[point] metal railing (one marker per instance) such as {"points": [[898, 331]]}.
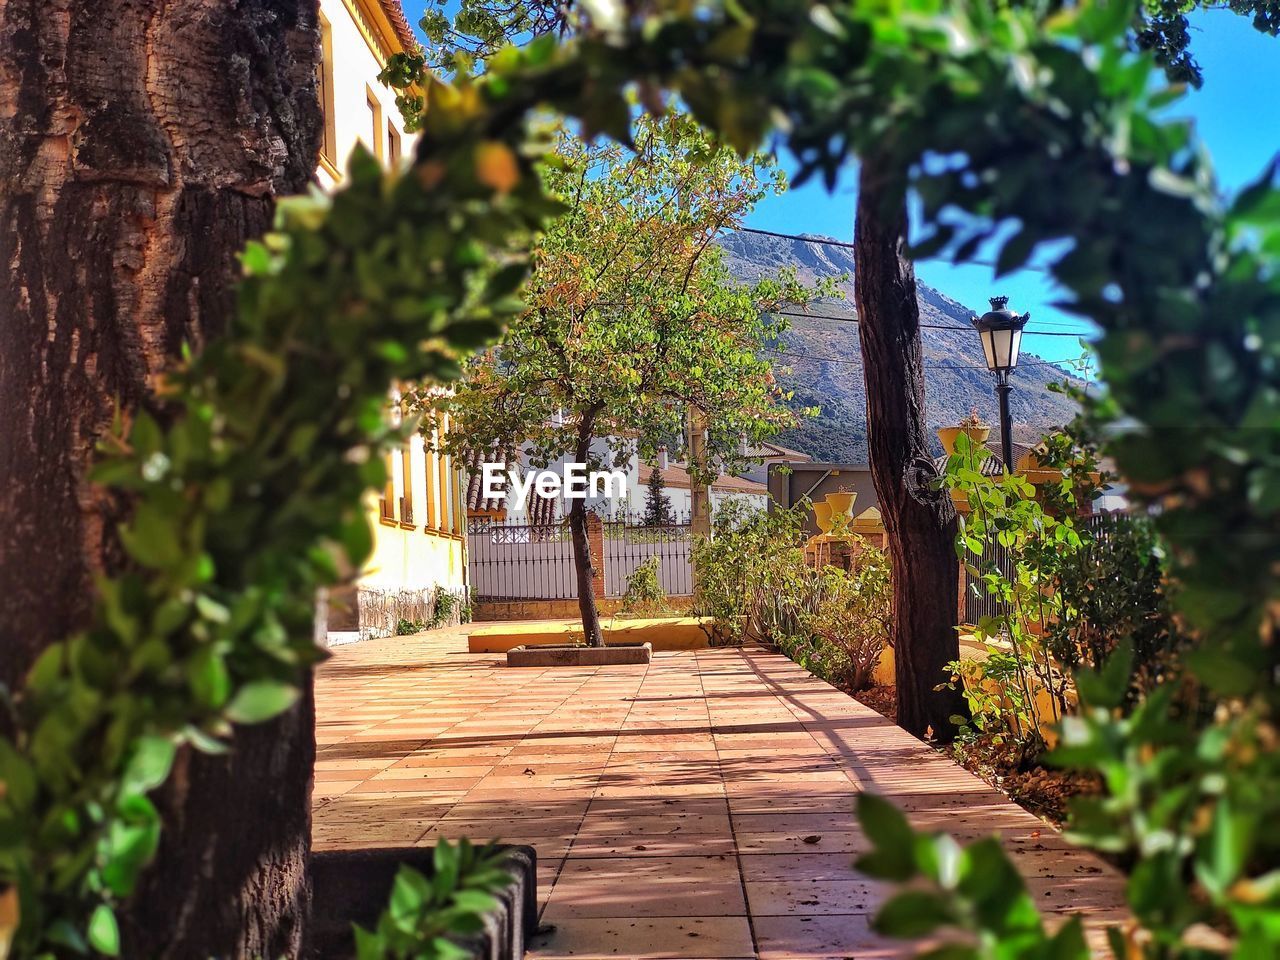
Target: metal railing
{"points": [[520, 561], [630, 542], [978, 603]]}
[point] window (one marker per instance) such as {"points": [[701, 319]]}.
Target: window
{"points": [[393, 145], [406, 499], [375, 122], [443, 520], [387, 502], [324, 75]]}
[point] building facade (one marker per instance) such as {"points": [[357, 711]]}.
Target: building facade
{"points": [[417, 571]]}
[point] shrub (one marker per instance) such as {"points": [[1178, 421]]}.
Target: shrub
{"points": [[1114, 587], [645, 596], [1069, 589], [851, 623], [752, 578]]}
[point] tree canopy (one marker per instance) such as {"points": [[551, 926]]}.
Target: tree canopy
{"points": [[633, 318]]}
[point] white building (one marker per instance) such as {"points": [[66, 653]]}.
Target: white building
{"points": [[357, 39], [419, 521]]}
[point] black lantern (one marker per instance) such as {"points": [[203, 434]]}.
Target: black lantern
{"points": [[1001, 332]]}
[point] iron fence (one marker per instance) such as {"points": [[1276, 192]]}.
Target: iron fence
{"points": [[534, 561], [520, 561], [978, 603], [630, 542]]}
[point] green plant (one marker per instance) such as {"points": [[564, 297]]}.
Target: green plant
{"points": [[431, 918], [406, 628], [1015, 539], [444, 606], [645, 596], [849, 628], [1116, 587], [752, 579]]}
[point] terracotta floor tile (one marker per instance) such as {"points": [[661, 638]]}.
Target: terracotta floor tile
{"points": [[578, 896], [798, 866], [833, 936], [689, 939], [690, 845], [804, 841], [785, 898], [655, 796], [654, 825]]}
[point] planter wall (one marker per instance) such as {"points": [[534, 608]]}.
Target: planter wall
{"points": [[353, 886]]}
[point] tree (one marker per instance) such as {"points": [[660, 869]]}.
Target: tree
{"points": [[1161, 26], [633, 319], [919, 520], [141, 148], [657, 505], [921, 524]]}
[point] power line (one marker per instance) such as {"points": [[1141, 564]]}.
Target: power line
{"points": [[794, 236], [932, 364], [923, 326], [849, 246]]}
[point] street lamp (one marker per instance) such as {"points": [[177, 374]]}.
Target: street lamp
{"points": [[1001, 332]]}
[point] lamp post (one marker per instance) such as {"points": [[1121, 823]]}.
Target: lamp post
{"points": [[1001, 332]]}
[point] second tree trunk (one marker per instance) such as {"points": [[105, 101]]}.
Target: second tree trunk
{"points": [[920, 523]]}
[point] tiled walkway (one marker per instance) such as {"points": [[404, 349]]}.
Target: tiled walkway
{"points": [[697, 807]]}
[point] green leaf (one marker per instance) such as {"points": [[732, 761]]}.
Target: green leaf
{"points": [[369, 946], [149, 764], [261, 700], [914, 913], [1107, 686], [209, 678], [888, 829], [104, 933], [151, 537]]}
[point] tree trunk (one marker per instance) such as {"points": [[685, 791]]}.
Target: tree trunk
{"points": [[583, 562], [920, 523], [141, 143]]}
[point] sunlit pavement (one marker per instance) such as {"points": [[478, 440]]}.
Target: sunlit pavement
{"points": [[700, 806]]}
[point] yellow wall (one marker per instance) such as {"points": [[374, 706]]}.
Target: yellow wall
{"points": [[422, 549]]}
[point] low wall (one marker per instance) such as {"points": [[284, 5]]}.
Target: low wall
{"points": [[665, 633], [489, 611], [381, 610]]}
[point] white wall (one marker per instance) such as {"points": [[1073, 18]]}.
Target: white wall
{"points": [[355, 68]]}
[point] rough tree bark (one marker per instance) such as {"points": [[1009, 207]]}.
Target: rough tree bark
{"points": [[583, 562], [141, 143], [920, 523]]}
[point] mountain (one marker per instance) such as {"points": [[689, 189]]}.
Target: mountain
{"points": [[956, 378]]}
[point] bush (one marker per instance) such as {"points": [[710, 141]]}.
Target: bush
{"points": [[754, 580], [851, 622], [1069, 590], [645, 596], [1114, 587]]}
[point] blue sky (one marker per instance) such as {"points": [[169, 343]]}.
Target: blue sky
{"points": [[1237, 114]]}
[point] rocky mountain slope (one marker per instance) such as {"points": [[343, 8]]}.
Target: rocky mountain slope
{"points": [[956, 379]]}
